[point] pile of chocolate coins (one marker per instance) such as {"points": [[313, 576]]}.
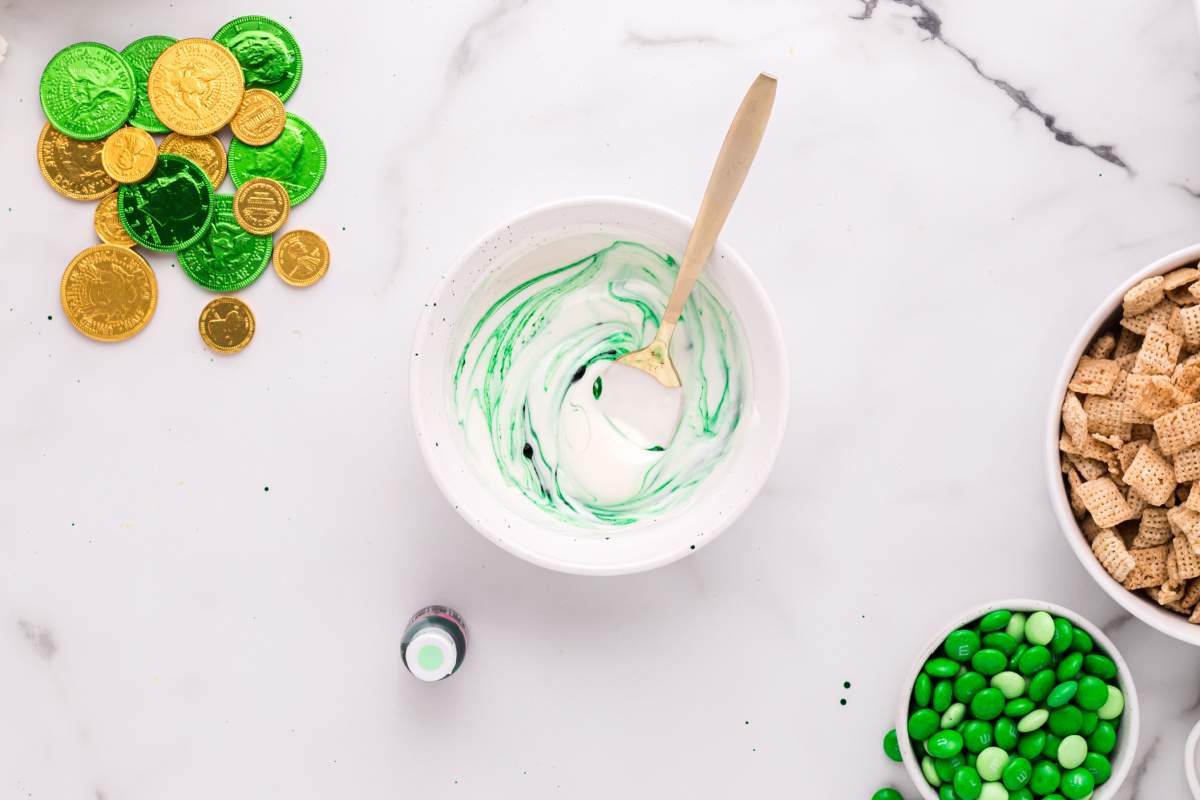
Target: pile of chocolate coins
{"points": [[103, 110]]}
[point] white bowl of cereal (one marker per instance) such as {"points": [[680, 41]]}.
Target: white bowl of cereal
{"points": [[1123, 445], [508, 368]]}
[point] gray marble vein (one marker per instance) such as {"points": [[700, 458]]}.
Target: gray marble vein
{"points": [[1111, 627], [930, 21], [1141, 768], [642, 40], [867, 10], [40, 639], [464, 57]]}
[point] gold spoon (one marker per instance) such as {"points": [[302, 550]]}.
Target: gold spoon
{"points": [[733, 162]]}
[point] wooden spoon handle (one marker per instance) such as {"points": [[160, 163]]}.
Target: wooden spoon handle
{"points": [[733, 162]]}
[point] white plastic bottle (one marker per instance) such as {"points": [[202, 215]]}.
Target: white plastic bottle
{"points": [[434, 643]]}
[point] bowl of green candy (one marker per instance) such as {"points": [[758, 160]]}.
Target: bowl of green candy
{"points": [[1016, 700]]}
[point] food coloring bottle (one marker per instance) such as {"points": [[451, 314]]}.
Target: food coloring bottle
{"points": [[434, 643]]}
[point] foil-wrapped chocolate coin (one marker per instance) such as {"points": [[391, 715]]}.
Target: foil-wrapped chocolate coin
{"points": [[171, 209]]}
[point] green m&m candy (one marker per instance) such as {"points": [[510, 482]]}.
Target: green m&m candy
{"points": [[1071, 751], [1103, 739], [961, 645], [945, 744], [1099, 766], [1061, 694], [923, 724], [987, 705], [977, 735], [1045, 778], [1069, 667], [1040, 685], [967, 783], [1113, 706], [969, 684], [1092, 694], [943, 695], [1065, 721], [1001, 641], [891, 745], [1102, 667], [1039, 628], [989, 662], [995, 621], [1077, 784], [1005, 732], [1061, 641], [922, 689]]}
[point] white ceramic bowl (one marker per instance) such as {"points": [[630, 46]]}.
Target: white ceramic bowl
{"points": [[537, 537], [1127, 734], [1105, 317]]}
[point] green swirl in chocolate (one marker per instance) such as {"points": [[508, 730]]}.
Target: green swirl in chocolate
{"points": [[527, 385]]}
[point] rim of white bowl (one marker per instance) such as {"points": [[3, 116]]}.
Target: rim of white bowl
{"points": [[715, 528], [1190, 755], [1167, 622], [1127, 734]]}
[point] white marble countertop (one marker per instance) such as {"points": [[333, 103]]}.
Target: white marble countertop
{"points": [[945, 192]]}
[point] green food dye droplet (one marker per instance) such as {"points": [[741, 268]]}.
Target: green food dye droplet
{"points": [[597, 387], [430, 657]]}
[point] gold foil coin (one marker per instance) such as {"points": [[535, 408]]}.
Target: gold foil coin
{"points": [[72, 168], [227, 325], [205, 152], [195, 86], [301, 258], [108, 225], [260, 118], [129, 155], [108, 292], [261, 206]]}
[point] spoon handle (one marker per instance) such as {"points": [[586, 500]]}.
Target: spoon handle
{"points": [[733, 162]]}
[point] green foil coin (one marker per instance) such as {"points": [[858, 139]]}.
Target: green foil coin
{"points": [[268, 53], [296, 160], [171, 209], [141, 55], [87, 91], [226, 258]]}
